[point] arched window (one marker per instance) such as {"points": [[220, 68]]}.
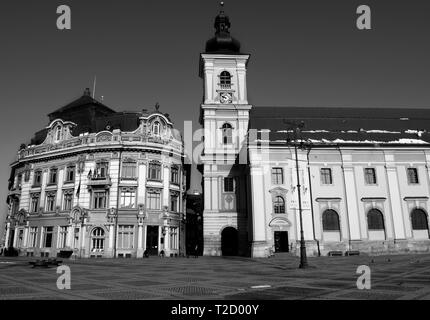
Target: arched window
{"points": [[227, 133], [279, 205], [375, 220], [330, 220], [419, 220], [98, 239], [225, 79], [156, 128]]}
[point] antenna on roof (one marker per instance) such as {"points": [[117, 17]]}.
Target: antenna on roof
{"points": [[94, 86]]}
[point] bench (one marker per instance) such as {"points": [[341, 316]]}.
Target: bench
{"points": [[45, 263], [352, 253], [335, 253], [39, 263]]}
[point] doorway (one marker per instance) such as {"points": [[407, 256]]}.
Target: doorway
{"points": [[152, 240], [229, 242], [281, 241]]}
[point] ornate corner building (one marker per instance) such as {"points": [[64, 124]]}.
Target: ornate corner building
{"points": [[99, 183]]}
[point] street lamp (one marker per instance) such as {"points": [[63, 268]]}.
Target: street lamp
{"points": [[303, 258]]}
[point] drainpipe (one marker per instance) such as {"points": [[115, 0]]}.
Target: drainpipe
{"points": [[346, 199], [312, 205]]}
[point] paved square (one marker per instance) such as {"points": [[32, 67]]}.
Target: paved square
{"points": [[219, 278]]}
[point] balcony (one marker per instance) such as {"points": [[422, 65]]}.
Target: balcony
{"points": [[225, 86], [15, 191], [96, 180]]}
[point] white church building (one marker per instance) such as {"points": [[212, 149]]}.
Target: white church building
{"points": [[364, 174]]}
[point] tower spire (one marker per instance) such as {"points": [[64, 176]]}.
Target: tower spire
{"points": [[223, 42]]}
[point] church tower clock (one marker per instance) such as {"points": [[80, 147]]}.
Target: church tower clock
{"points": [[224, 115]]}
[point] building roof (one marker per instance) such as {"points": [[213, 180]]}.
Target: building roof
{"points": [[342, 125], [223, 42], [85, 100]]}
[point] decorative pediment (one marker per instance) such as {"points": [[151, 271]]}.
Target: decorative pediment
{"points": [[104, 136], [278, 191], [280, 222], [58, 131]]}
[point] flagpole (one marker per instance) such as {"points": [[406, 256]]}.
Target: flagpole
{"points": [[94, 87]]}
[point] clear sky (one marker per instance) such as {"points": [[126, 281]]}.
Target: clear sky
{"points": [[303, 53]]}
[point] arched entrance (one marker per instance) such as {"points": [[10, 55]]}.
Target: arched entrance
{"points": [[229, 242]]}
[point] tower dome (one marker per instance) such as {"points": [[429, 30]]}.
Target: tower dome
{"points": [[223, 42]]}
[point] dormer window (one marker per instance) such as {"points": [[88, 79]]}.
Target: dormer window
{"points": [[58, 134], [225, 80], [227, 133], [156, 128]]}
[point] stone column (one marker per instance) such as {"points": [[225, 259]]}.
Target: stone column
{"points": [[25, 240], [60, 188], [141, 183], [111, 236], [166, 185], [43, 187], [15, 236], [6, 243], [396, 202], [166, 241], [83, 232], [70, 234], [259, 245], [139, 238], [351, 196]]}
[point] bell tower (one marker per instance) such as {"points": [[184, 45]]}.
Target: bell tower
{"points": [[224, 115]]}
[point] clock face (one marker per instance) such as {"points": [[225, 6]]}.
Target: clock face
{"points": [[225, 97]]}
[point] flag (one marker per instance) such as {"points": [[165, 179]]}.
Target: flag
{"points": [[78, 191]]}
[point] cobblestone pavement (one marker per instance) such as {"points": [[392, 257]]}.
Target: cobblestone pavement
{"points": [[392, 277]]}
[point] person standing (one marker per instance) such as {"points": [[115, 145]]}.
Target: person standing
{"points": [[196, 251]]}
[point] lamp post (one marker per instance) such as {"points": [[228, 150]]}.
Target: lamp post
{"points": [[303, 258]]}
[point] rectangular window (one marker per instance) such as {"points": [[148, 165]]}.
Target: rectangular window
{"points": [[126, 237], [228, 184], [174, 202], [128, 198], [326, 177], [53, 176], [70, 174], [37, 178], [47, 237], [101, 170], [154, 200], [34, 206], [277, 176], [50, 202], [33, 237], [128, 170], [174, 175], [68, 200], [154, 171], [99, 199], [370, 175], [62, 240], [413, 176]]}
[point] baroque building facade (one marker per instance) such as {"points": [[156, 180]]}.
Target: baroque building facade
{"points": [[363, 175], [99, 183]]}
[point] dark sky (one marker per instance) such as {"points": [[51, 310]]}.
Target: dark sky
{"points": [[303, 53]]}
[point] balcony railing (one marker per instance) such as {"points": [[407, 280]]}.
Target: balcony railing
{"points": [[99, 180]]}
